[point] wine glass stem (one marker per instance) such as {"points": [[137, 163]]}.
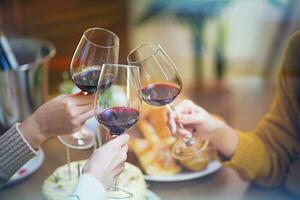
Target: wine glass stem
{"points": [[114, 187], [79, 136], [189, 141], [172, 110], [68, 161]]}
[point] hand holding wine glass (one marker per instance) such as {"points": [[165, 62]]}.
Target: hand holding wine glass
{"points": [[118, 104], [61, 115], [110, 158], [161, 84], [97, 46], [197, 121]]}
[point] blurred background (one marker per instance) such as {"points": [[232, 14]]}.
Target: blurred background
{"points": [[227, 51], [219, 46]]}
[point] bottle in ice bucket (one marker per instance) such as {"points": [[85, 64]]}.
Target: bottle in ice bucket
{"points": [[7, 57]]}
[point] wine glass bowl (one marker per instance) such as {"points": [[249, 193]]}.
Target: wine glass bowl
{"points": [[96, 47], [117, 99], [160, 81]]}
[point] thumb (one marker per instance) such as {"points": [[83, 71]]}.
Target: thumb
{"points": [[121, 140]]}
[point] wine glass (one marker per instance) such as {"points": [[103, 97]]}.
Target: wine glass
{"points": [[96, 47], [160, 85], [118, 105]]}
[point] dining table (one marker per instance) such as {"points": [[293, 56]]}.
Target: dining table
{"points": [[233, 100]]}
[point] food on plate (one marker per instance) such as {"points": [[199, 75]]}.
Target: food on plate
{"points": [[154, 160], [151, 142], [158, 118], [153, 155], [58, 185]]}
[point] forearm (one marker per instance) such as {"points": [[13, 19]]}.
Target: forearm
{"points": [[31, 131], [225, 139], [244, 152], [14, 152], [265, 154]]}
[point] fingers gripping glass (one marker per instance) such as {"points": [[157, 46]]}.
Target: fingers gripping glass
{"points": [[160, 83], [118, 105], [96, 47]]}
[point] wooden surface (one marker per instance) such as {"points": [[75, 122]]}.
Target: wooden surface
{"points": [[243, 105]]}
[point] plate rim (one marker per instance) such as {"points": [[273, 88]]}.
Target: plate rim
{"points": [[188, 176]]}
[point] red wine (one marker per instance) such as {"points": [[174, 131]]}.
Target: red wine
{"points": [[87, 80], [118, 119], [160, 94]]}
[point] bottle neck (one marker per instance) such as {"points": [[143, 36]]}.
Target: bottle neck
{"points": [[8, 59]]}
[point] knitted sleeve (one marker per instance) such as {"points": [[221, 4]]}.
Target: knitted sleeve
{"points": [[265, 154], [14, 152]]}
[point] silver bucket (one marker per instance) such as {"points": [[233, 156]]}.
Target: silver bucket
{"points": [[23, 90]]}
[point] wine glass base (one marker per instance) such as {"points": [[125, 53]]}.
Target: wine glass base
{"points": [[119, 194], [181, 150], [83, 139]]}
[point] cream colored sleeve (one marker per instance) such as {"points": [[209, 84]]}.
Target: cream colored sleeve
{"points": [[88, 188]]}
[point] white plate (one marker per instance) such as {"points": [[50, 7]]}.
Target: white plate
{"points": [[152, 196], [29, 168], [212, 167]]}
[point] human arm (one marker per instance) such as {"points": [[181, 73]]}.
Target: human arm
{"points": [[264, 154], [62, 115], [251, 154], [14, 152]]}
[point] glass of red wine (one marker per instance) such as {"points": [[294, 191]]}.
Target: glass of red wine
{"points": [[160, 85], [96, 47], [118, 105]]}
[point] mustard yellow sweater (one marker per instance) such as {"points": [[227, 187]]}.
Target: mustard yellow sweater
{"points": [[265, 154]]}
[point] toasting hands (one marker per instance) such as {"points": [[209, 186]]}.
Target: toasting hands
{"points": [[64, 114], [192, 119]]}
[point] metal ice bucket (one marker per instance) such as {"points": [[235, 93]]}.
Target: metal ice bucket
{"points": [[24, 89]]}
